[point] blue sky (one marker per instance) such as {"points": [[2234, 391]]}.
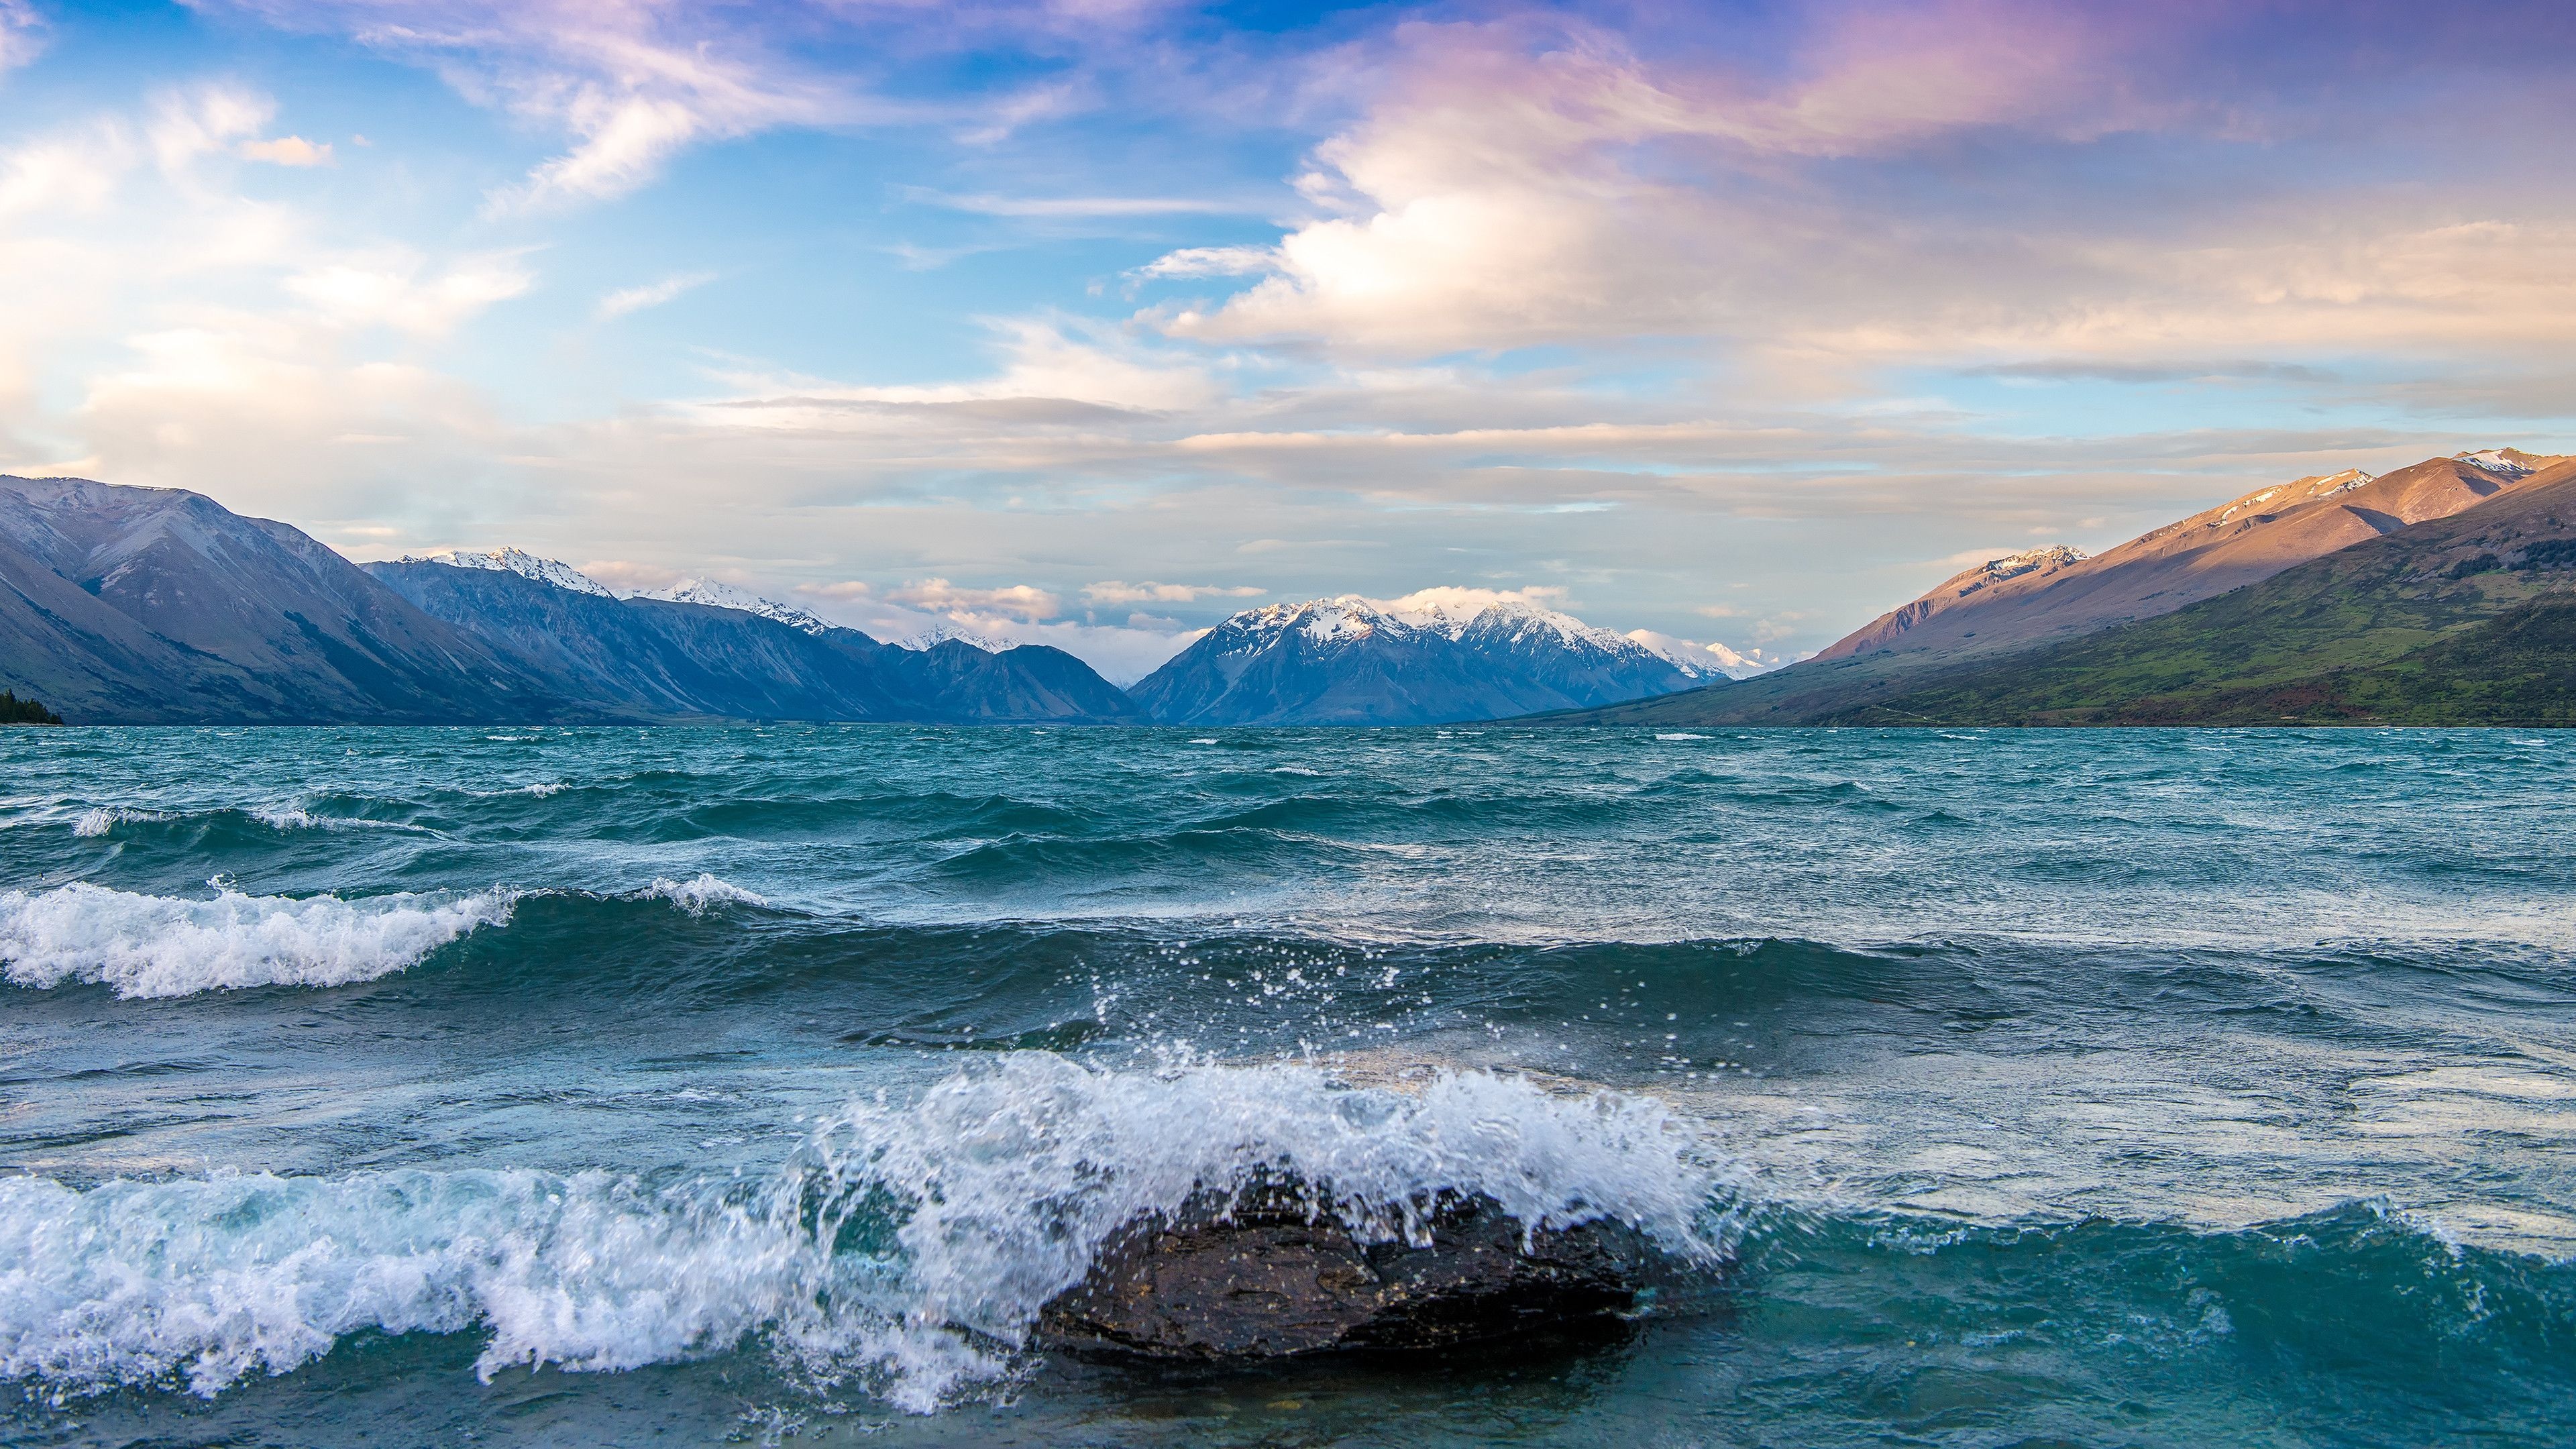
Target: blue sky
{"points": [[1092, 321]]}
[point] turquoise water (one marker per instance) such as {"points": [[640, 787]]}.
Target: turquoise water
{"points": [[756, 1085]]}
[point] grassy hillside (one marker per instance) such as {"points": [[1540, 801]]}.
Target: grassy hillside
{"points": [[2516, 669]]}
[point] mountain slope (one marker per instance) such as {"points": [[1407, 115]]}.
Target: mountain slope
{"points": [[156, 605], [2450, 621], [2188, 555], [2058, 593], [1024, 684], [662, 658], [655, 658], [1352, 661]]}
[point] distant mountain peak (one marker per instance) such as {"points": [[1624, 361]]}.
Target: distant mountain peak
{"points": [[515, 561], [1438, 655], [1705, 661], [943, 631], [717, 594]]}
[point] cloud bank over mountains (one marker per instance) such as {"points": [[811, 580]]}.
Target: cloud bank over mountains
{"points": [[1096, 321]]}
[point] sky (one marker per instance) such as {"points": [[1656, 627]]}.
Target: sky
{"points": [[1093, 321]]}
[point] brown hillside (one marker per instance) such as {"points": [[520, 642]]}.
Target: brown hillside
{"points": [[2053, 594]]}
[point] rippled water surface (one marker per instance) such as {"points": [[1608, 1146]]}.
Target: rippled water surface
{"points": [[582, 1086]]}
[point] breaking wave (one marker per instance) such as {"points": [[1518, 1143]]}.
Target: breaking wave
{"points": [[99, 820], [699, 895], [158, 946], [909, 1245]]}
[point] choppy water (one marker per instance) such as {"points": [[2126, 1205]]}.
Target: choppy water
{"points": [[579, 1086]]}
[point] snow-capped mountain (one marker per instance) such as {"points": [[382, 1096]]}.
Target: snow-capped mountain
{"points": [[1705, 661], [1435, 657], [717, 594], [943, 631], [515, 561]]}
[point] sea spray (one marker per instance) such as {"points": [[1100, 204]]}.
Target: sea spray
{"points": [[910, 1244]]}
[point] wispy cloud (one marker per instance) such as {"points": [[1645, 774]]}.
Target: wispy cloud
{"points": [[1085, 206], [652, 294], [22, 34], [1018, 601], [1114, 591], [287, 151]]}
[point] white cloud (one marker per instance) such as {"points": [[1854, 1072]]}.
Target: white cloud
{"points": [[652, 294], [1452, 599], [1044, 360], [391, 289], [1016, 601], [1210, 262], [287, 151], [1114, 591], [202, 121]]}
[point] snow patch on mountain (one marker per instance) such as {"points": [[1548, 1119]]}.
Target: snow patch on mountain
{"points": [[943, 631], [716, 594], [515, 561], [2503, 462], [1707, 661]]}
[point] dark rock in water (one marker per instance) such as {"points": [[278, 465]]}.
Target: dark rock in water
{"points": [[1260, 1274]]}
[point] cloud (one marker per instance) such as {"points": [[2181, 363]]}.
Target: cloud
{"points": [[631, 82], [1114, 591], [1210, 262], [1711, 656], [21, 34], [1045, 360], [392, 288], [1914, 184], [203, 120], [1017, 601], [287, 151], [1453, 599], [1082, 206], [652, 294]]}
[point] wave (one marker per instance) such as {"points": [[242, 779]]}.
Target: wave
{"points": [[697, 896], [99, 820], [909, 1245], [161, 946], [296, 817]]}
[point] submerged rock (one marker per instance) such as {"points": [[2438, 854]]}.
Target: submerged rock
{"points": [[1260, 1273]]}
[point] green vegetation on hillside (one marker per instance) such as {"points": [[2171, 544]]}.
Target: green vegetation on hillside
{"points": [[14, 710]]}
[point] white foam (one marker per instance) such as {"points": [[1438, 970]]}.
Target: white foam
{"points": [[1681, 736], [99, 820], [1005, 1181], [296, 817], [696, 896], [146, 945]]}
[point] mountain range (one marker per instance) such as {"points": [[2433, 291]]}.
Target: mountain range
{"points": [[2443, 592], [145, 605]]}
